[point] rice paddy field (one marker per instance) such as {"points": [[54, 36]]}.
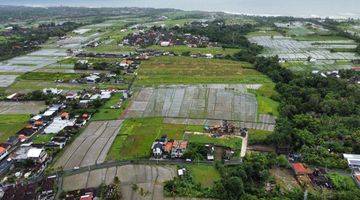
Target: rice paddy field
{"points": [[213, 101], [186, 70], [6, 80], [91, 146], [301, 41], [326, 52], [22, 107], [149, 180]]}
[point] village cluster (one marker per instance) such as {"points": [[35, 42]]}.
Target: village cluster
{"points": [[164, 37], [24, 157]]}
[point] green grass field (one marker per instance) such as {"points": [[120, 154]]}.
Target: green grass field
{"points": [[137, 135], [266, 105], [10, 124], [302, 66], [107, 113], [299, 31], [186, 70], [42, 139], [342, 182], [206, 175], [43, 76], [178, 49], [318, 37], [263, 33], [258, 136]]}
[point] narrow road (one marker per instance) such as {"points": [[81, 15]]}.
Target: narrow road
{"points": [[244, 146]]}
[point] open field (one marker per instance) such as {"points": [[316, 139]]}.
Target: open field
{"points": [[105, 112], [186, 70], [28, 107], [258, 136], [137, 135], [148, 178], [213, 101], [263, 33], [10, 124], [91, 146], [206, 175], [43, 76], [179, 49], [31, 85], [319, 65]]}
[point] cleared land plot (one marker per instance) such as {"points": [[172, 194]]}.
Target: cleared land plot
{"points": [[6, 80], [285, 179], [137, 135], [92, 146], [10, 124], [289, 49], [26, 107], [148, 178], [186, 70], [230, 102]]}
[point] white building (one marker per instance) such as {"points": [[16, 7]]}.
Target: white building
{"points": [[92, 79], [165, 43], [353, 160], [36, 154], [58, 125]]}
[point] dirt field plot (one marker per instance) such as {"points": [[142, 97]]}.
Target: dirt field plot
{"points": [[6, 80], [230, 102], [28, 107], [149, 178], [91, 146]]}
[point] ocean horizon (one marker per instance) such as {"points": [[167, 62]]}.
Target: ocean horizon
{"points": [[304, 8]]}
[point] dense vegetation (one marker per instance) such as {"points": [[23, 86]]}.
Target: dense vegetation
{"points": [[319, 117], [252, 180]]}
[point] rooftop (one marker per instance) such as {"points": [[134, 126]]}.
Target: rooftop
{"points": [[299, 168], [34, 153]]}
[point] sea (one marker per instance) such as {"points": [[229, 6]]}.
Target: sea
{"points": [[297, 8]]}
